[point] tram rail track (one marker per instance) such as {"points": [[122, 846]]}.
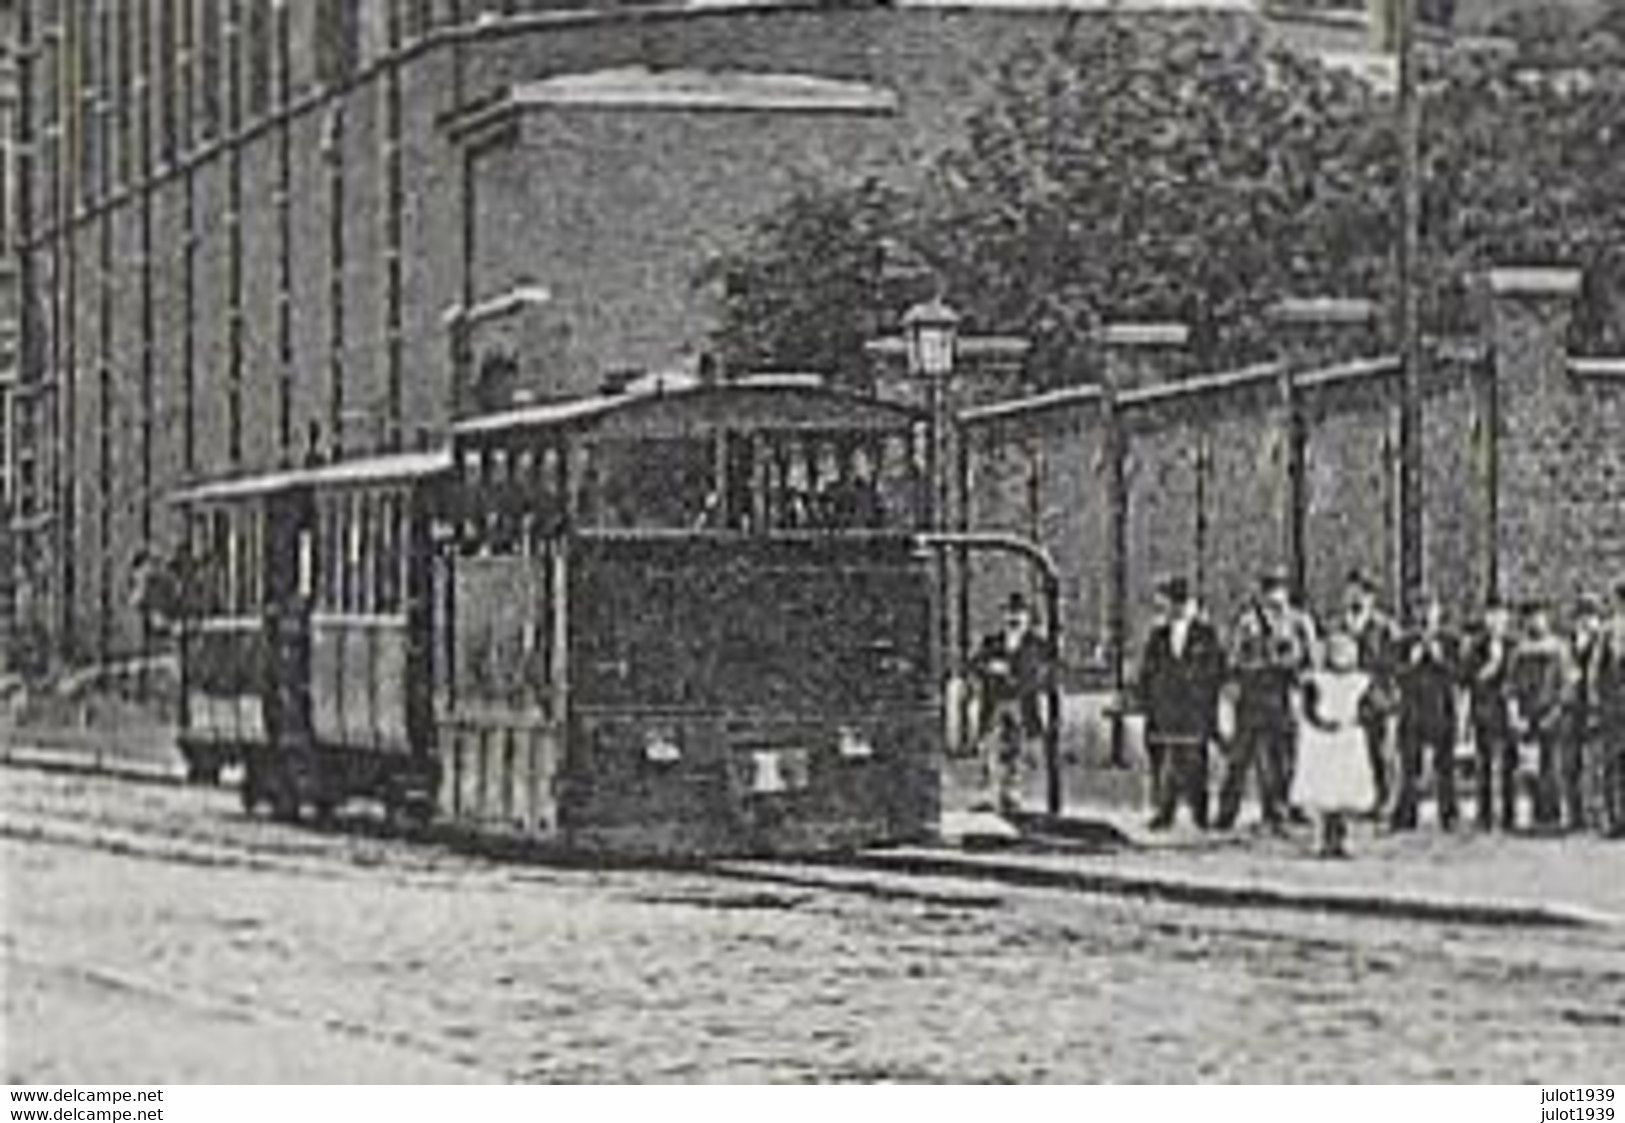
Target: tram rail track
{"points": [[361, 846], [932, 875]]}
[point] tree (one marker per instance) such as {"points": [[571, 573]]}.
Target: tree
{"points": [[1152, 168], [1185, 168], [809, 285]]}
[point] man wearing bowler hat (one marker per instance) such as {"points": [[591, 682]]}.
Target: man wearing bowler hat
{"points": [[1273, 644], [1012, 669], [1181, 670]]}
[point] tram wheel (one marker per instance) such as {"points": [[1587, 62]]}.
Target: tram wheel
{"points": [[284, 800], [407, 814], [202, 770]]}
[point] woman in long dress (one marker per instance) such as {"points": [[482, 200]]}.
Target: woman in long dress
{"points": [[1333, 778]]}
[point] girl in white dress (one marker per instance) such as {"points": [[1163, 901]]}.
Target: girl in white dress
{"points": [[1333, 777]]}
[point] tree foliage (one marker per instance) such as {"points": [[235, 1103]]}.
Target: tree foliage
{"points": [[1189, 169]]}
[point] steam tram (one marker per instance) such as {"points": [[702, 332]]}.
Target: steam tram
{"points": [[671, 621]]}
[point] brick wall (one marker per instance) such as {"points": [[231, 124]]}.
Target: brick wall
{"points": [[1561, 466], [1208, 470]]}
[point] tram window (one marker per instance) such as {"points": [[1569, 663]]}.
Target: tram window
{"points": [[662, 484], [366, 552], [221, 570], [340, 539], [834, 483], [388, 558], [328, 549], [354, 589], [307, 565], [245, 584]]}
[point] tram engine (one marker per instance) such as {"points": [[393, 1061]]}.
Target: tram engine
{"points": [[685, 621]]}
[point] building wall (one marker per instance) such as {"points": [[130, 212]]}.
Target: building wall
{"points": [[307, 221], [1523, 485], [1562, 465], [636, 204], [304, 191]]}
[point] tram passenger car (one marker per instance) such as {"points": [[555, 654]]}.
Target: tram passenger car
{"points": [[307, 636], [677, 621]]}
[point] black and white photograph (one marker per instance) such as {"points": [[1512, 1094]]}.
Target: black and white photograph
{"points": [[785, 542]]}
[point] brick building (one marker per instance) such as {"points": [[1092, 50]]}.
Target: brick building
{"points": [[8, 322], [244, 221]]}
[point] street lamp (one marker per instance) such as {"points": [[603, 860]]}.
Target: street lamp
{"points": [[931, 331], [931, 335], [460, 320]]}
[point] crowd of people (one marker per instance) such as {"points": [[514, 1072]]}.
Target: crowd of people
{"points": [[1354, 716], [1351, 717]]}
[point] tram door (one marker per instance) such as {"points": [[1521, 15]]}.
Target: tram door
{"points": [[501, 697]]}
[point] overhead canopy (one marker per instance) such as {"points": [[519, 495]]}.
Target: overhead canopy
{"points": [[403, 467]]}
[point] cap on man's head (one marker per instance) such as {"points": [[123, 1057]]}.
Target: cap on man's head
{"points": [[1533, 606], [1015, 602], [1176, 589], [1358, 579], [1587, 604], [1272, 579]]}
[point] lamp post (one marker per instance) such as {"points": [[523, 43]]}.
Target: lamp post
{"points": [[460, 321], [931, 334], [1412, 556]]}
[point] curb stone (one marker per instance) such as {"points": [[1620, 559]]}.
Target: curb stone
{"points": [[91, 764], [1186, 889]]}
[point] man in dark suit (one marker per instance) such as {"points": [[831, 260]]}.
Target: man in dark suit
{"points": [[1012, 669], [1181, 671], [1376, 637], [1485, 665], [1271, 647], [1428, 678]]}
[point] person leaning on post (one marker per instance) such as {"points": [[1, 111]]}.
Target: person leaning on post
{"points": [[1181, 670]]}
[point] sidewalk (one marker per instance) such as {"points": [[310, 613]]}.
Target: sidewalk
{"points": [[1465, 875], [1460, 877]]}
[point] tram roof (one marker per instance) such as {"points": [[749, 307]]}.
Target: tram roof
{"points": [[357, 472], [768, 403]]}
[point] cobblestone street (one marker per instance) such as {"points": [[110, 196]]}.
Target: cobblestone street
{"points": [[154, 934]]}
